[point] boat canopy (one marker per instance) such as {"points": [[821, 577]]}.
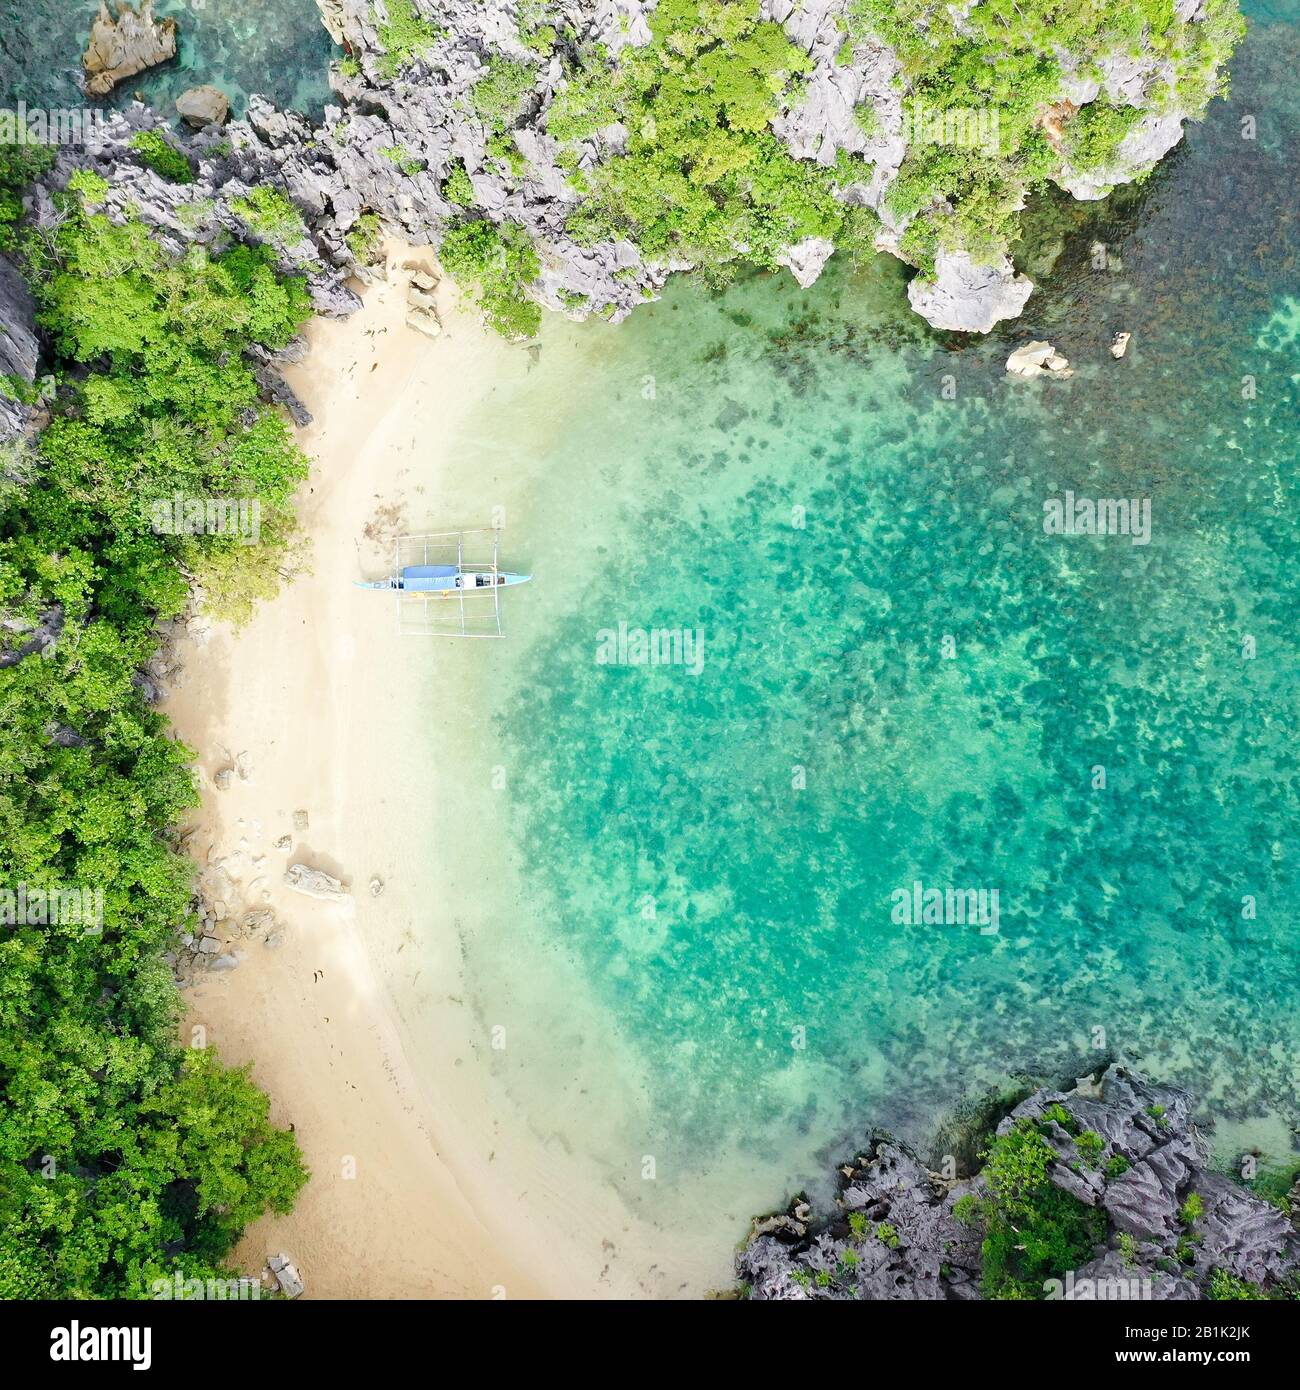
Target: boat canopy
{"points": [[429, 571], [429, 578]]}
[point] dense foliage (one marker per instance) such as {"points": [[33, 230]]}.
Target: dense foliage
{"points": [[703, 177], [494, 263], [1002, 59], [124, 1157], [158, 154], [1033, 1231], [700, 177]]}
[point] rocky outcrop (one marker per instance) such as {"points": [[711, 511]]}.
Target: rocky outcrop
{"points": [[286, 1275], [22, 635], [967, 296], [420, 102], [124, 45], [422, 305], [20, 350], [411, 142], [1173, 1226], [227, 164], [1151, 138]]}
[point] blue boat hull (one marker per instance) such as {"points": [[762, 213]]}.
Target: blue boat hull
{"points": [[441, 581]]}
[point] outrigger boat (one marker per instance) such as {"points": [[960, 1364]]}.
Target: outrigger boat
{"points": [[433, 577]]}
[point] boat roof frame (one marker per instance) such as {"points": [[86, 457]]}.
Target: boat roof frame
{"points": [[416, 614]]}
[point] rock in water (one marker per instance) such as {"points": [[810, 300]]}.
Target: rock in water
{"points": [[1119, 345], [121, 47], [966, 296], [315, 883], [203, 106], [1039, 359]]}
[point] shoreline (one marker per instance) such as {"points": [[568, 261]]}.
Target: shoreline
{"points": [[387, 1212]]}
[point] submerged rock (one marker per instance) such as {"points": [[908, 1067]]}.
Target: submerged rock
{"points": [[123, 46], [1039, 359]]}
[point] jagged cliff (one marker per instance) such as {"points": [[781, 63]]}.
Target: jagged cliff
{"points": [[465, 108], [529, 140], [1123, 1171]]}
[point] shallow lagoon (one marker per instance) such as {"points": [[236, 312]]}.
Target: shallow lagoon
{"points": [[904, 678], [678, 894]]}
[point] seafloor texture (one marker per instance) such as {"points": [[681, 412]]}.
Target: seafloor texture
{"points": [[833, 496], [662, 881], [278, 48]]}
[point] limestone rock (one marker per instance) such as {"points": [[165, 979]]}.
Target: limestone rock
{"points": [[895, 1219], [203, 106], [1039, 359], [422, 306], [19, 348], [1145, 145], [850, 101], [286, 1275], [123, 46], [315, 883], [333, 17], [966, 296], [806, 259]]}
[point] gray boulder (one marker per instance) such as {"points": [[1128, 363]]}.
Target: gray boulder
{"points": [[203, 106], [966, 296]]}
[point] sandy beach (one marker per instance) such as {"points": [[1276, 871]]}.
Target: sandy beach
{"points": [[405, 1199]]}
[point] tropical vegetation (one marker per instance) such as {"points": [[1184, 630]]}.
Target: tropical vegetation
{"points": [[125, 1157]]}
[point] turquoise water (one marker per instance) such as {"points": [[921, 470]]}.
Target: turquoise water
{"points": [[677, 871], [277, 48], [696, 871]]}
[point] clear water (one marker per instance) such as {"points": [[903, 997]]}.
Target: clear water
{"points": [[277, 48], [650, 475]]}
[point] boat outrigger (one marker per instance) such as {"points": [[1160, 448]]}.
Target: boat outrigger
{"points": [[433, 577]]}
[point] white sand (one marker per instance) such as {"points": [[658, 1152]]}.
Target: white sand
{"points": [[452, 1196]]}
